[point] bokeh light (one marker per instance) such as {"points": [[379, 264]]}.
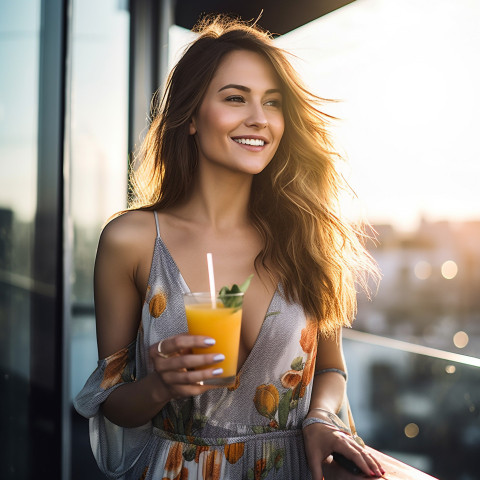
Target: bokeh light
{"points": [[422, 270], [460, 339], [449, 269], [411, 430]]}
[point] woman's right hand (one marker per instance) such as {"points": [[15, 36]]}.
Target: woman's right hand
{"points": [[174, 363]]}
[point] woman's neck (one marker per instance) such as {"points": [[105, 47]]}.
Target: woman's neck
{"points": [[220, 202]]}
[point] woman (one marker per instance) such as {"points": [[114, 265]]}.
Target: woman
{"points": [[236, 162]]}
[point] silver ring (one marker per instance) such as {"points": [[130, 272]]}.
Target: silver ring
{"points": [[200, 383], [159, 348]]}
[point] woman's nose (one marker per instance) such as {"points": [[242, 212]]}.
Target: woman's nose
{"points": [[257, 117]]}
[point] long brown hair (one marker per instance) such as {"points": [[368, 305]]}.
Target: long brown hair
{"points": [[317, 257]]}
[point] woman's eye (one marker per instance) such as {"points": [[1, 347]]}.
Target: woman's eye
{"points": [[235, 98], [274, 103]]}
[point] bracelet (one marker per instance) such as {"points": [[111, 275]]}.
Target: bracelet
{"points": [[335, 420], [334, 370], [311, 420]]}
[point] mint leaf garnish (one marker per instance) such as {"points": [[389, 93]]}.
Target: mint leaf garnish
{"points": [[234, 301]]}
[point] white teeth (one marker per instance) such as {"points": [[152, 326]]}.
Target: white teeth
{"points": [[250, 141]]}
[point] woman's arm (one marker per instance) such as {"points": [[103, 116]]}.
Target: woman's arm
{"points": [[329, 388], [328, 394], [118, 306]]}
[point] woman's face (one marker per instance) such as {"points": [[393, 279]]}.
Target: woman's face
{"points": [[240, 121]]}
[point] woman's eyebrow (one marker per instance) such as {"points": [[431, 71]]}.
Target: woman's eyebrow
{"points": [[243, 88]]}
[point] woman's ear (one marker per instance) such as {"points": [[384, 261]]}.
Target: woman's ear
{"points": [[192, 127]]}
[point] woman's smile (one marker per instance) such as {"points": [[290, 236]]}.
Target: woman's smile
{"points": [[252, 143]]}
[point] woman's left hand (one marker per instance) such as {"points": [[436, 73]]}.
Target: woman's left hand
{"points": [[322, 440]]}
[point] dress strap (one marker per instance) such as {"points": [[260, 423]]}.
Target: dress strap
{"points": [[156, 223]]}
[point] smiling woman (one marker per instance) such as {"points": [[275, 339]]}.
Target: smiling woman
{"points": [[236, 162], [239, 125]]}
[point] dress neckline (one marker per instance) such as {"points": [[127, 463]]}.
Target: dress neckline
{"points": [[159, 243]]}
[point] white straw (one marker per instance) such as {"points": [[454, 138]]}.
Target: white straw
{"points": [[211, 278]]}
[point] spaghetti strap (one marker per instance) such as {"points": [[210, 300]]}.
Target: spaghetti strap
{"points": [[156, 223]]}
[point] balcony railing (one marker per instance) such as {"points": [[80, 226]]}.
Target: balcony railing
{"points": [[418, 404]]}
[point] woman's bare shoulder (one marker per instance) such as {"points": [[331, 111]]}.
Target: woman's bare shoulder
{"points": [[132, 228]]}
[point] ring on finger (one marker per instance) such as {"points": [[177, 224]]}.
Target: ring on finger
{"points": [[200, 383], [159, 347]]}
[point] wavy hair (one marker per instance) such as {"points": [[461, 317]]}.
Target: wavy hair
{"points": [[316, 256]]}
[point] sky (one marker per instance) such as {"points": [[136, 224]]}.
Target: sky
{"points": [[406, 74]]}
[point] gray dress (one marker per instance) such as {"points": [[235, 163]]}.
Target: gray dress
{"points": [[251, 430]]}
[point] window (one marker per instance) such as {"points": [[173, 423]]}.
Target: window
{"points": [[19, 57]]}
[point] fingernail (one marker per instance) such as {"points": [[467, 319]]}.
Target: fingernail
{"points": [[217, 371], [219, 357], [209, 341], [372, 473]]}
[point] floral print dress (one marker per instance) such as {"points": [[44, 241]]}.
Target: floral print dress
{"points": [[248, 431]]}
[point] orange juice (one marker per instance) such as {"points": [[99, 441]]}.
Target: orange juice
{"points": [[223, 324]]}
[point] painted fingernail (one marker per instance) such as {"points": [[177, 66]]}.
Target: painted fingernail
{"points": [[219, 357], [217, 371], [209, 341], [372, 473]]}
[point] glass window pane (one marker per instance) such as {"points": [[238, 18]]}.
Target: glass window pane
{"points": [[98, 155], [19, 51]]}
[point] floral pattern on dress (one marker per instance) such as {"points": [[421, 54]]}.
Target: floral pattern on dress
{"points": [[120, 367], [182, 420], [157, 304], [308, 337], [186, 422], [174, 463], [212, 464], [308, 342], [276, 405], [271, 401], [210, 459], [234, 452], [272, 459]]}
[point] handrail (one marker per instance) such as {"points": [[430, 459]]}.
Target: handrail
{"points": [[409, 347]]}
